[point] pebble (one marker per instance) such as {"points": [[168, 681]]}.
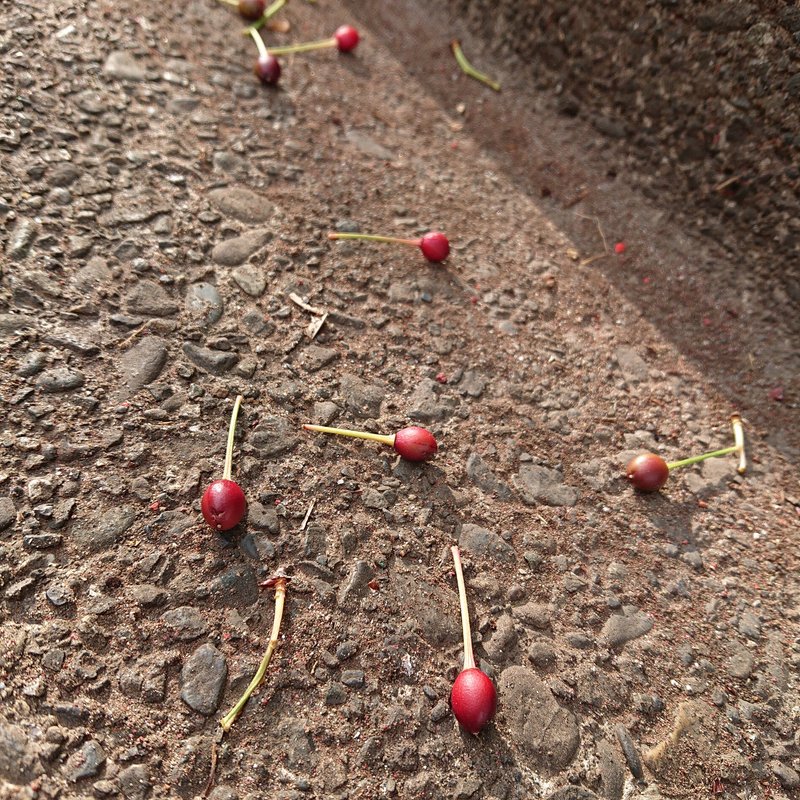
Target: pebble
{"points": [[363, 400], [440, 711], [536, 484], [346, 650], [60, 379], [59, 595], [203, 303], [242, 204], [203, 678], [336, 695], [573, 793], [86, 762], [235, 251], [481, 542], [143, 363], [633, 367], [314, 357], [542, 654], [20, 588], [22, 238], [273, 436], [630, 752], [357, 584], [264, 518], [41, 541], [217, 362], [186, 623], [134, 782], [146, 594], [612, 773], [122, 65], [8, 513], [150, 299], [353, 678], [18, 762], [32, 364], [740, 663], [105, 532], [545, 733], [482, 476], [787, 777], [750, 626], [625, 627], [251, 280]]}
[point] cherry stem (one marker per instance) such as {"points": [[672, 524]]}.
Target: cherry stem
{"points": [[268, 12], [280, 595], [469, 658], [374, 437], [371, 237], [738, 437], [304, 47], [468, 69], [226, 472], [685, 462], [230, 2]]}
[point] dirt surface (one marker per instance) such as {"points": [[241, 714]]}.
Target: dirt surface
{"points": [[162, 214]]}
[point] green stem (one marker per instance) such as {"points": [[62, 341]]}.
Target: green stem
{"points": [[305, 47], [469, 657], [686, 462], [268, 12], [374, 437], [230, 2], [468, 69], [226, 472], [371, 237], [280, 594]]}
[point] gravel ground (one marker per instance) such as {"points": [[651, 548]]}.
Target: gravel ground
{"points": [[162, 214]]}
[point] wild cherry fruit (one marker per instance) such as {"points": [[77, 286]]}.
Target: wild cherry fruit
{"points": [[412, 443], [648, 472], [434, 245], [223, 503], [251, 9], [344, 39], [473, 697], [267, 68]]}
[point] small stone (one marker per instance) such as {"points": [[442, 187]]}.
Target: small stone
{"points": [[346, 650], [624, 627], [630, 752], [134, 782], [314, 358], [60, 379], [787, 777], [264, 518], [357, 584], [573, 793], [143, 363], [106, 531], [536, 484], [18, 762], [203, 303], [634, 369], [19, 589], [202, 679], [235, 251], [121, 64], [481, 542], [274, 436], [740, 663], [250, 280], [750, 626], [542, 654], [40, 489], [215, 361], [145, 594], [59, 594], [336, 695], [440, 711], [242, 204], [41, 541], [7, 512], [186, 623], [53, 659], [150, 299], [22, 238], [483, 477], [353, 678], [86, 763], [367, 145]]}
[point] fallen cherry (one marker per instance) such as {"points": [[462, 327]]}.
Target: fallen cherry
{"points": [[648, 472], [412, 443], [620, 248], [267, 68], [251, 9], [473, 697], [345, 39], [223, 504], [434, 245]]}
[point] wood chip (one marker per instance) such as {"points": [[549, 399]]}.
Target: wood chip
{"points": [[297, 300]]}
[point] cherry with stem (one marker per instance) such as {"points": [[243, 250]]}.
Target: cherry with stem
{"points": [[223, 503], [249, 9], [473, 697], [434, 245], [345, 39], [412, 443], [267, 68], [648, 472], [279, 581]]}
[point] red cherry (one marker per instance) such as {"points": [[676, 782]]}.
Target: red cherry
{"points": [[619, 248], [415, 444], [223, 504], [647, 472], [268, 69], [346, 38], [251, 9], [434, 246], [473, 699]]}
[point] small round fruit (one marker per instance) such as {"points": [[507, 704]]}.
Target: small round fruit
{"points": [[251, 9], [647, 472], [415, 444], [268, 70], [223, 504], [434, 246], [473, 699], [346, 38]]}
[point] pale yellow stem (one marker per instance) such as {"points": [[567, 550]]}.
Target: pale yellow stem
{"points": [[469, 658]]}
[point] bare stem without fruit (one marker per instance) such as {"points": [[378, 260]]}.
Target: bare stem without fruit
{"points": [[226, 472], [738, 438], [468, 69]]}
